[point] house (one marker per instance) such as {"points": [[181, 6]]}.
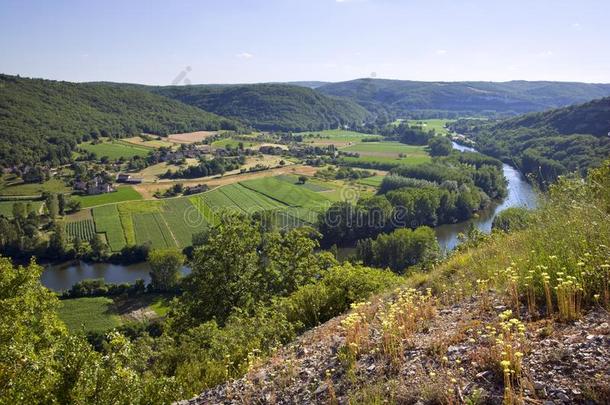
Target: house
{"points": [[122, 177], [97, 186], [134, 180]]}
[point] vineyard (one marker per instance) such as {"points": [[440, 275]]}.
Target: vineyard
{"points": [[84, 229]]}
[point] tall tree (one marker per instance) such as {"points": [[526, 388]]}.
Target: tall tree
{"points": [[165, 265]]}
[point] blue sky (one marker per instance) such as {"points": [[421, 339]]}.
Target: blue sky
{"points": [[235, 41]]}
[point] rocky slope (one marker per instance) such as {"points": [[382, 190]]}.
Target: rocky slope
{"points": [[447, 358]]}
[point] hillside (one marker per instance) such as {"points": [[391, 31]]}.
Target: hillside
{"points": [[45, 119], [511, 318], [270, 106], [550, 143], [403, 98]]}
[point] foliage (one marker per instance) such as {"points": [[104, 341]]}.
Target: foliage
{"points": [[45, 120], [549, 144], [440, 146], [451, 100], [400, 249], [165, 265], [270, 106], [511, 219], [241, 265]]}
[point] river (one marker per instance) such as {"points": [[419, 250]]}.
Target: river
{"points": [[520, 194]]}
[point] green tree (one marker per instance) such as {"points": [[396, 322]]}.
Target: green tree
{"points": [[439, 146], [241, 265], [99, 248], [58, 242], [165, 265]]}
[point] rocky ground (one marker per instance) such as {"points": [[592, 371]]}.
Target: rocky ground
{"points": [[446, 360]]}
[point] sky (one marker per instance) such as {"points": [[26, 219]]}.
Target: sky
{"points": [[240, 41]]}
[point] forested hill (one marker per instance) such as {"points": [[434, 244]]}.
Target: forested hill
{"points": [[270, 106], [43, 120], [403, 98], [550, 143], [589, 118]]}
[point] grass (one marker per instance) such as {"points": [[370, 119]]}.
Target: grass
{"points": [[438, 125], [123, 193], [374, 181], [387, 148], [154, 144], [391, 161], [284, 192], [6, 207], [183, 220], [115, 149], [91, 314], [107, 221], [234, 143], [335, 135], [151, 229], [53, 185], [128, 209]]}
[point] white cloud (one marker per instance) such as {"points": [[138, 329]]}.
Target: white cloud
{"points": [[545, 54], [576, 26], [441, 52], [245, 55]]}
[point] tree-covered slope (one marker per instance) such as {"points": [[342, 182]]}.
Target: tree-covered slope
{"points": [[270, 106], [400, 97], [550, 143], [43, 120]]}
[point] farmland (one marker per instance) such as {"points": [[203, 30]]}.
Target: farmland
{"points": [[107, 221], [155, 143], [32, 189], [83, 229], [115, 149], [6, 207], [123, 193], [337, 137], [438, 125], [191, 137], [234, 143], [92, 314]]}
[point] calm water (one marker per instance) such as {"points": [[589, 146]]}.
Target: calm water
{"points": [[520, 194], [63, 276]]}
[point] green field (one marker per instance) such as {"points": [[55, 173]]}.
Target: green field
{"points": [[392, 153], [234, 143], [83, 229], [115, 149], [52, 186], [374, 181], [123, 193], [173, 222], [107, 221], [6, 207], [438, 125], [286, 193], [335, 135], [91, 314]]}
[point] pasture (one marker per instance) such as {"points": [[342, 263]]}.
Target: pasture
{"points": [[156, 143], [6, 207], [108, 222], [115, 149], [18, 188], [388, 153], [234, 143], [123, 193], [438, 125], [96, 314], [337, 137]]}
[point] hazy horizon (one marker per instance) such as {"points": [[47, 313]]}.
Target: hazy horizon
{"points": [[233, 42]]}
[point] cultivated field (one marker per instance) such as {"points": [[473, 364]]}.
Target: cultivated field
{"points": [[154, 144], [234, 143], [92, 314], [438, 125], [123, 193], [191, 137], [83, 229], [391, 153], [338, 137], [115, 149]]}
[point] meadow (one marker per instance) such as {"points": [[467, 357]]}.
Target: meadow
{"points": [[89, 314], [6, 207], [234, 143], [115, 149], [53, 185], [337, 137], [123, 193], [438, 125]]}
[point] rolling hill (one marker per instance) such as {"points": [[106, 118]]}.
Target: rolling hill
{"points": [[270, 106], [549, 143], [44, 119], [402, 98]]}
